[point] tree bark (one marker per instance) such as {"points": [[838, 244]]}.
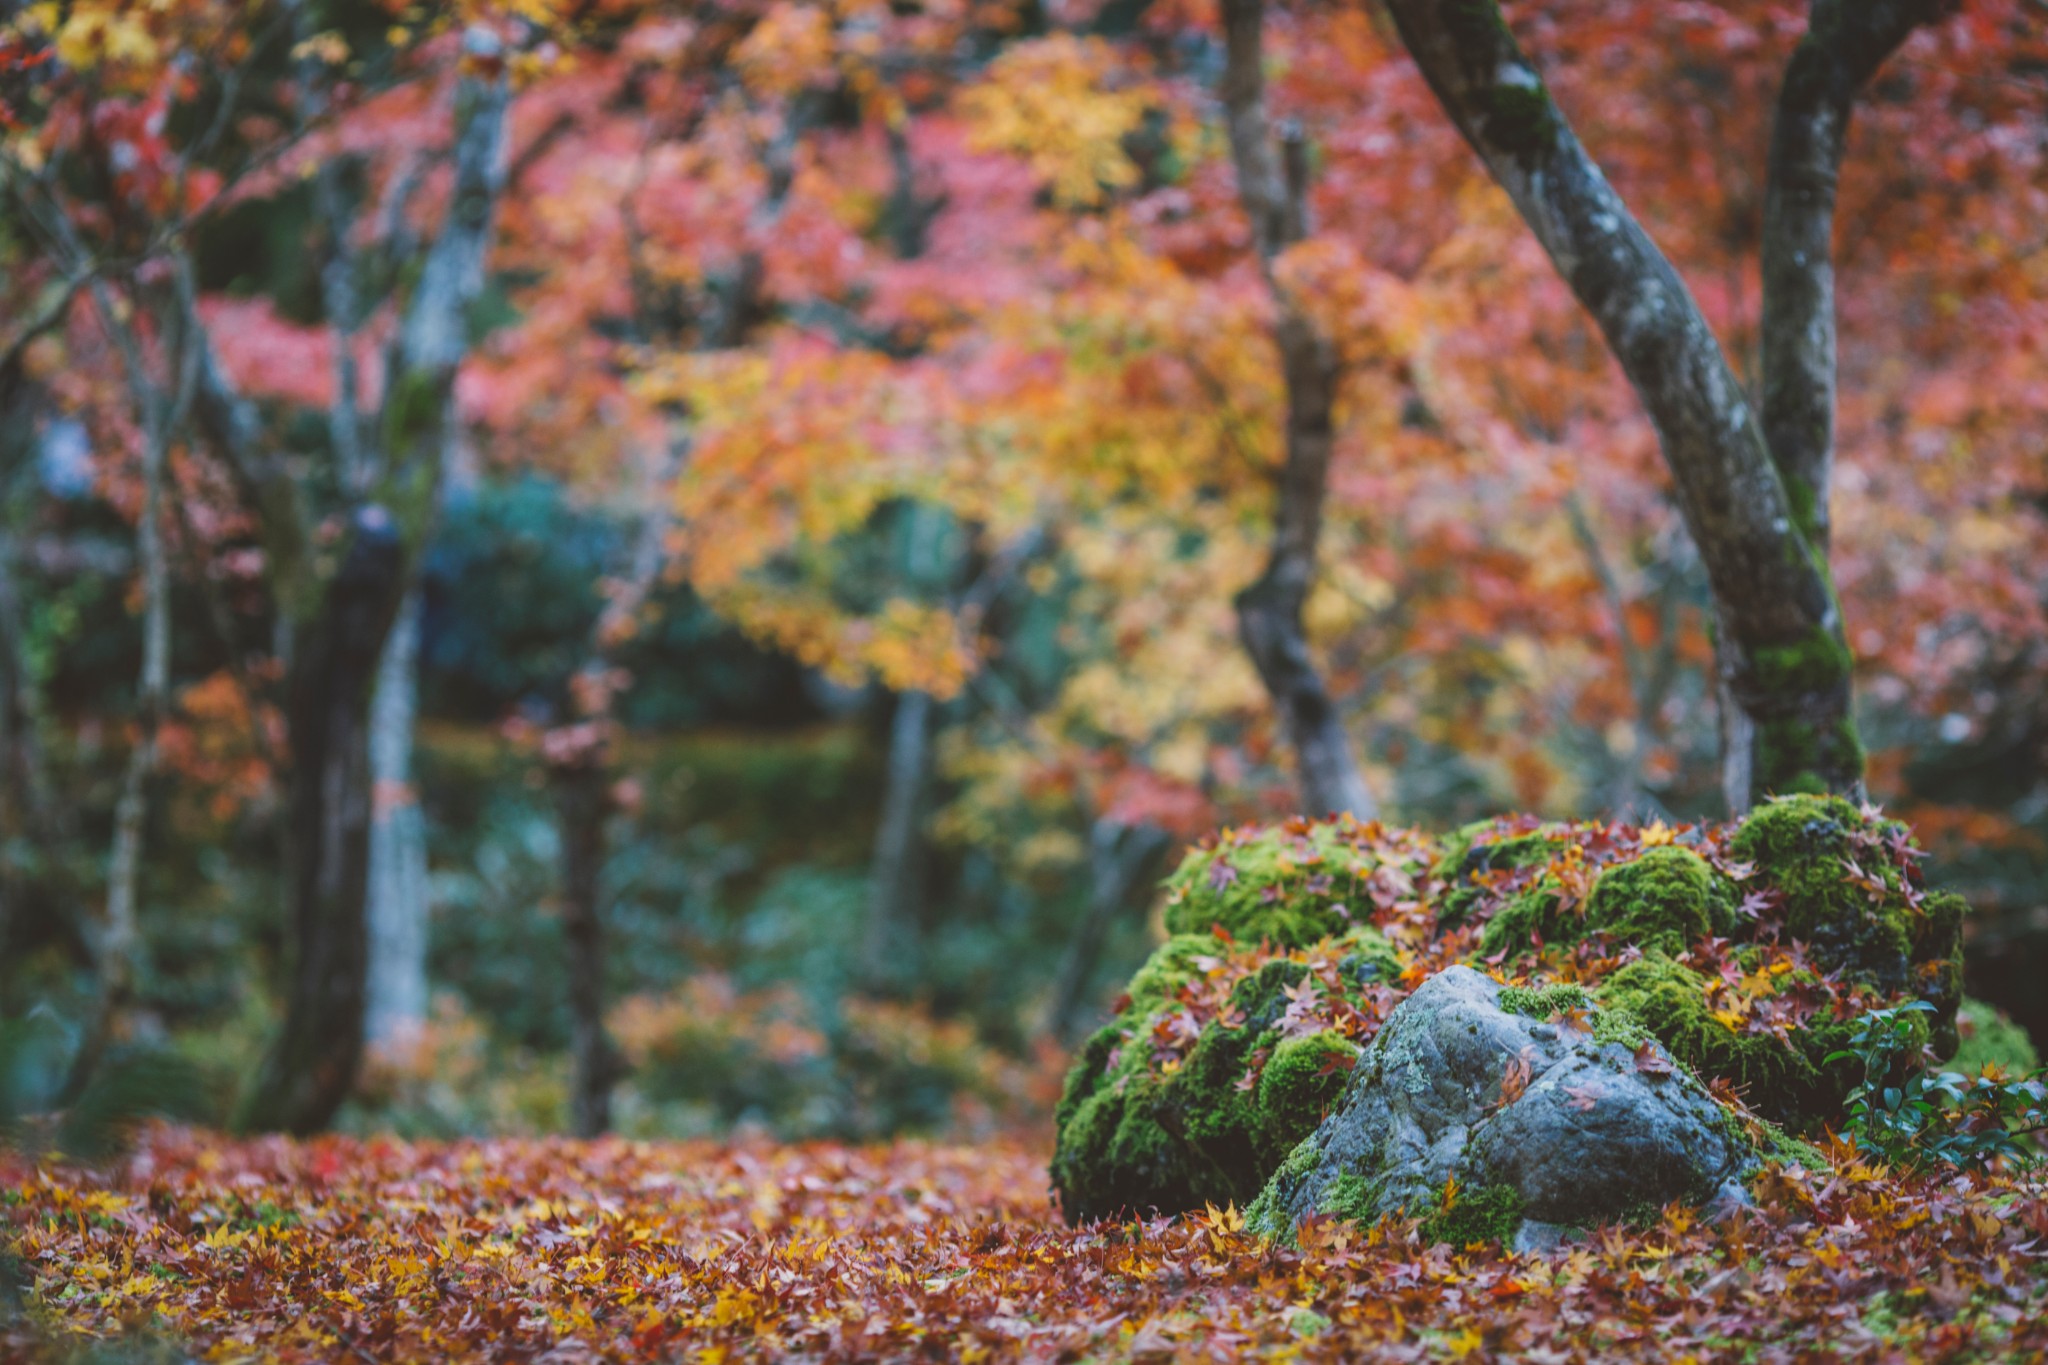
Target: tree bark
{"points": [[582, 794], [896, 883], [1274, 190], [338, 625], [1118, 858], [309, 1072], [1845, 44], [396, 991], [1784, 666]]}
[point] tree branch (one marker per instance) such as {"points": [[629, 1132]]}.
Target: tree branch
{"points": [[1845, 44], [434, 334], [1273, 188]]}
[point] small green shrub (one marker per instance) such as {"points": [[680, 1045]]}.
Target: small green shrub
{"points": [[1905, 1115]]}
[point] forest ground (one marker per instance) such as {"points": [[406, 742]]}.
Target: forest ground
{"points": [[377, 1249]]}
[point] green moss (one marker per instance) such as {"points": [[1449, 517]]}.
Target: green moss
{"points": [[1788, 1083], [1479, 850], [1520, 117], [1667, 898], [1542, 1002], [1275, 886], [1612, 1025], [1368, 956], [1133, 1135], [1266, 1216], [1301, 1081], [1489, 1214], [1779, 1148], [1793, 754], [1663, 900], [1803, 847], [1989, 1038], [1526, 916], [1353, 1198]]}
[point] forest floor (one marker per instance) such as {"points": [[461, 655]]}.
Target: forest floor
{"points": [[343, 1249]]}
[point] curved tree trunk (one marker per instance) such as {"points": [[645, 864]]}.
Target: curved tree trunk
{"points": [[1274, 191], [310, 1070], [396, 990]]}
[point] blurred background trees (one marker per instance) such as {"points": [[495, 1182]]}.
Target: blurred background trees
{"points": [[846, 475]]}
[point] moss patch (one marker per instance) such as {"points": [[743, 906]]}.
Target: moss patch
{"points": [[1542, 1002], [1480, 852], [1136, 1134], [1668, 898], [1490, 1214], [1301, 1080], [1794, 754], [1790, 1083], [1844, 896], [1291, 886]]}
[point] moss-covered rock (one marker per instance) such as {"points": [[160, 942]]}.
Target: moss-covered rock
{"points": [[1843, 879], [1480, 853], [1149, 1122], [1988, 1038], [1788, 1081], [1290, 885], [1301, 1080], [1744, 952], [1471, 1116]]}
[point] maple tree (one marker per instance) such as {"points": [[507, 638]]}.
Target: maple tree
{"points": [[337, 550]]}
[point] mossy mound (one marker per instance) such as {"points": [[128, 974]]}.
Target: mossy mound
{"points": [[1665, 899], [1292, 884], [1477, 857], [1845, 882], [1747, 951], [1786, 1079], [1214, 1068]]}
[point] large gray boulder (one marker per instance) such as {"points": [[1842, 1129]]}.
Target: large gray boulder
{"points": [[1544, 1123]]}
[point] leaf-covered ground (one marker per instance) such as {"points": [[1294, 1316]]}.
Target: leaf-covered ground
{"points": [[511, 1250]]}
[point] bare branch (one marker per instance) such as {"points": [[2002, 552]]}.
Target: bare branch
{"points": [[1845, 44]]}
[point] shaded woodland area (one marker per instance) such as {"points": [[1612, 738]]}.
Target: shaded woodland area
{"points": [[1021, 573]]}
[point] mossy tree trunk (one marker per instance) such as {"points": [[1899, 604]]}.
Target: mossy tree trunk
{"points": [[1753, 490], [1272, 184]]}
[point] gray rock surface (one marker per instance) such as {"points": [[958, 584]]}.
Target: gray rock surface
{"points": [[1594, 1132]]}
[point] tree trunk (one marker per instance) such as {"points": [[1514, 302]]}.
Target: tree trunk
{"points": [[1836, 59], [396, 991], [896, 884], [312, 1066], [1118, 858], [1755, 514], [582, 793], [120, 940], [1274, 192]]}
